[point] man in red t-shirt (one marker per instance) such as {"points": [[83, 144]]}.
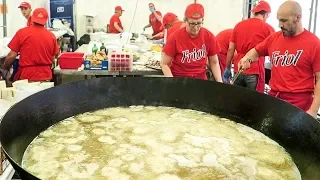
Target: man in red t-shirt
{"points": [[188, 50], [223, 39], [155, 21], [37, 47], [26, 10], [115, 25], [246, 35], [172, 23], [295, 60]]}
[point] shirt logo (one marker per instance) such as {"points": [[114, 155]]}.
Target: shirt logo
{"points": [[194, 55], [285, 59]]}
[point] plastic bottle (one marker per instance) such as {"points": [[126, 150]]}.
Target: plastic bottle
{"points": [[103, 48], [94, 49]]}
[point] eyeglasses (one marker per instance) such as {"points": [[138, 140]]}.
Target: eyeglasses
{"points": [[193, 24]]}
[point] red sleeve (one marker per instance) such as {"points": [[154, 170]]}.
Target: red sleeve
{"points": [[170, 47], [262, 47], [116, 19], [55, 47], [316, 59], [233, 35], [214, 46], [14, 44]]}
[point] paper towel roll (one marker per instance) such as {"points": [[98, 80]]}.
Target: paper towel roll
{"points": [[8, 94], [2, 86]]}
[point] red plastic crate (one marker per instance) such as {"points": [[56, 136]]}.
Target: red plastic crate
{"points": [[71, 60]]}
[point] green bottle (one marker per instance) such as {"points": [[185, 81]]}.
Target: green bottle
{"points": [[103, 48], [94, 49]]}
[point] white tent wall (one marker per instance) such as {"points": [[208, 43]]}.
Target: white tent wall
{"points": [[222, 14], [219, 14]]}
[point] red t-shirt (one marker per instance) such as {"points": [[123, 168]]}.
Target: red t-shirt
{"points": [[294, 61], [155, 24], [190, 55], [37, 47], [114, 19], [175, 27], [246, 35], [29, 22], [223, 39]]}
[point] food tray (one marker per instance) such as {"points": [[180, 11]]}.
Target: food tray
{"points": [[153, 67], [154, 64]]}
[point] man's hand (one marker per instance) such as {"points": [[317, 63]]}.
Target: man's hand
{"points": [[312, 113], [227, 75], [244, 64]]}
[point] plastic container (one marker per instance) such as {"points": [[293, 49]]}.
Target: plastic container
{"points": [[71, 60], [120, 61]]}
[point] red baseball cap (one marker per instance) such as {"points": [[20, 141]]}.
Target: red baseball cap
{"points": [[24, 5], [118, 8], [40, 16], [169, 18], [194, 11], [262, 6]]}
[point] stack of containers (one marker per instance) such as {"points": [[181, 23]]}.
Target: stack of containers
{"points": [[120, 61]]}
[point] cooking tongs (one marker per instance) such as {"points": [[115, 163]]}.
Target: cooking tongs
{"points": [[234, 78]]}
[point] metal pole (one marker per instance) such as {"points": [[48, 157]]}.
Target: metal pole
{"points": [[4, 3], [315, 18], [250, 6], [311, 14], [75, 26]]}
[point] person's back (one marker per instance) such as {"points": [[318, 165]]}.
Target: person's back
{"points": [[37, 47], [39, 43], [223, 39], [247, 34]]}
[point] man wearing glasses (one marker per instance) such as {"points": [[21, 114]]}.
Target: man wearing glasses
{"points": [[246, 35], [188, 50]]}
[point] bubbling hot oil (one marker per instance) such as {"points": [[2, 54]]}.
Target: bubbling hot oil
{"points": [[161, 143]]}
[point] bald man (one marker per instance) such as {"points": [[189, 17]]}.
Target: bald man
{"points": [[295, 60]]}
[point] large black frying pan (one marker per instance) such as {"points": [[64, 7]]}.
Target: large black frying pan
{"points": [[295, 130]]}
